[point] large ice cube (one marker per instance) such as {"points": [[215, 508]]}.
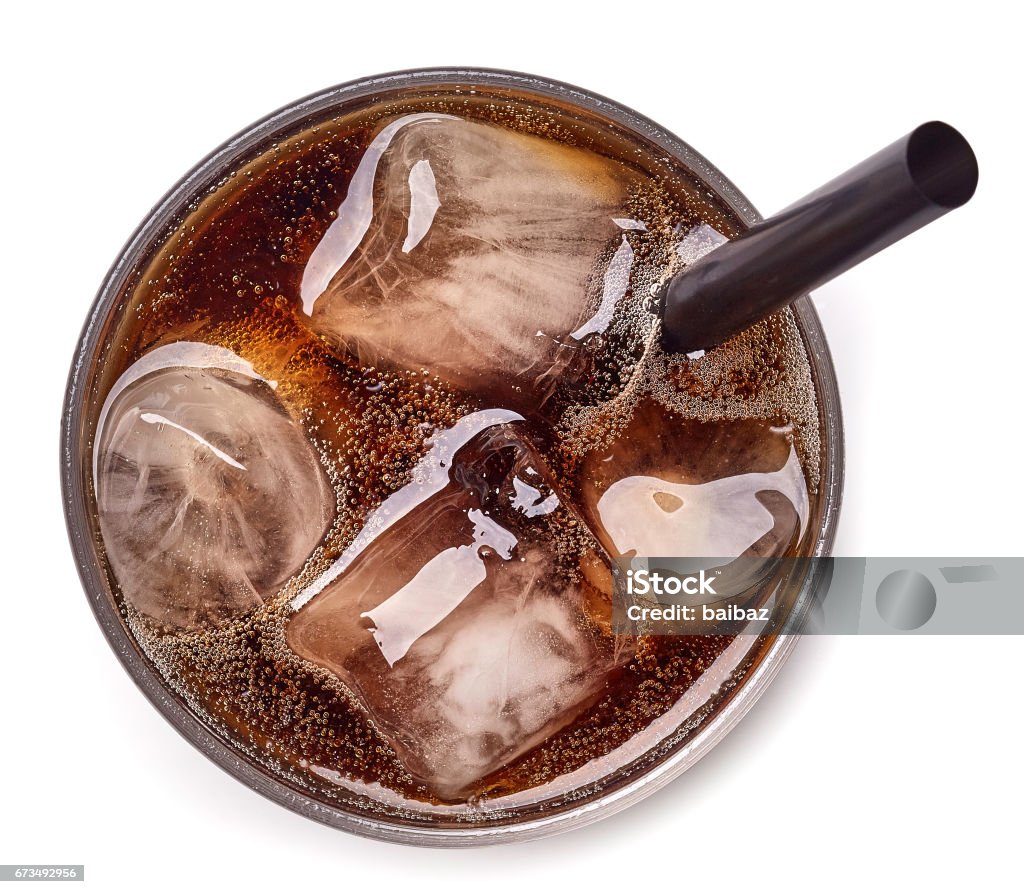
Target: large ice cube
{"points": [[669, 486], [480, 253], [209, 495], [454, 621]]}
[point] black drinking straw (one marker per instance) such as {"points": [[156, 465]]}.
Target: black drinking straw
{"points": [[914, 181]]}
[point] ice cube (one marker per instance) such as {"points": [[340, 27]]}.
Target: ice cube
{"points": [[483, 254], [453, 623], [669, 486], [209, 495]]}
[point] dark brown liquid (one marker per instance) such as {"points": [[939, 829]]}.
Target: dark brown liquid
{"points": [[231, 276]]}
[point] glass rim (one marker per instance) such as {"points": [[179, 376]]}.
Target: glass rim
{"points": [[195, 182]]}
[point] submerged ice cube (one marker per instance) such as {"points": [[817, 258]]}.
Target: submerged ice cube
{"points": [[668, 486], [209, 495], [451, 620], [483, 254]]}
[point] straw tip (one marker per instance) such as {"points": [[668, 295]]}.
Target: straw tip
{"points": [[942, 164]]}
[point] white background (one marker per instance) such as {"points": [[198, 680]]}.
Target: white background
{"points": [[875, 762]]}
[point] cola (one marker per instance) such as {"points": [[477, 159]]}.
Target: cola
{"points": [[382, 413]]}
